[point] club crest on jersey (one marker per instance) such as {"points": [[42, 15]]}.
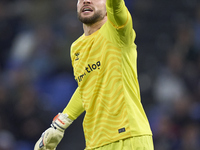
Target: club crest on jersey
{"points": [[77, 56], [88, 69]]}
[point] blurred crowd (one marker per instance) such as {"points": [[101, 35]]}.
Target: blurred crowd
{"points": [[36, 77]]}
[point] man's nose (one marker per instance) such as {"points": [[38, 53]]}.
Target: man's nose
{"points": [[86, 1]]}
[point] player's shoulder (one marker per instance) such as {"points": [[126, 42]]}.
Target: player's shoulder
{"points": [[77, 40]]}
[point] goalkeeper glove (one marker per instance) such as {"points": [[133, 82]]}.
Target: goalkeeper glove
{"points": [[53, 135]]}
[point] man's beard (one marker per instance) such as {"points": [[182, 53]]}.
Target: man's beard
{"points": [[91, 20]]}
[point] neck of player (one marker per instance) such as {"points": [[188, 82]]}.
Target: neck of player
{"points": [[89, 29]]}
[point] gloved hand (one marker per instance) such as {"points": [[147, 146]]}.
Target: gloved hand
{"points": [[53, 135]]}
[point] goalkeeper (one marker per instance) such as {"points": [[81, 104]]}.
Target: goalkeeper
{"points": [[104, 61]]}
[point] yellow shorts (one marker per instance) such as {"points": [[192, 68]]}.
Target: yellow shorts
{"points": [[133, 143]]}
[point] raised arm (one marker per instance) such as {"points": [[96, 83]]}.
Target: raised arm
{"points": [[118, 13]]}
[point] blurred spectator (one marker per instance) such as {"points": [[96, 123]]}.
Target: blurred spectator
{"points": [[169, 85], [190, 137], [9, 25], [165, 135], [197, 28], [7, 140]]}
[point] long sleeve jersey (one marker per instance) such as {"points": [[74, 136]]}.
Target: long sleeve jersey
{"points": [[105, 68]]}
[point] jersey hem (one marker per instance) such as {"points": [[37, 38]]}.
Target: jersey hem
{"points": [[117, 139]]}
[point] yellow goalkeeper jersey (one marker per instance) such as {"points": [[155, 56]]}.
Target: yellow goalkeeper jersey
{"points": [[105, 69]]}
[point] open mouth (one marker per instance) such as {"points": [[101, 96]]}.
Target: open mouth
{"points": [[87, 9]]}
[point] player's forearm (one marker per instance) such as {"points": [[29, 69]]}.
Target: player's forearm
{"points": [[75, 106], [117, 12], [115, 4]]}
